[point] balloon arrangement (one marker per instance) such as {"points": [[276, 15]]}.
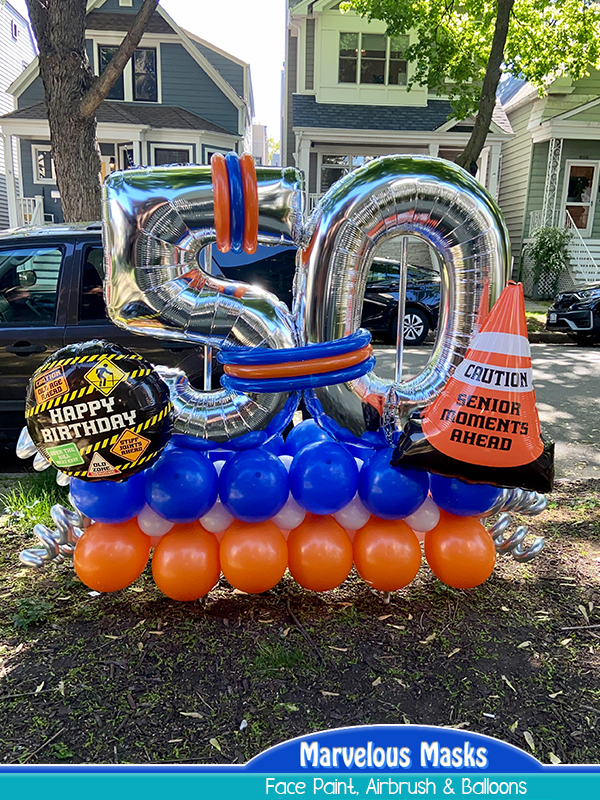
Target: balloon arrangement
{"points": [[206, 478]]}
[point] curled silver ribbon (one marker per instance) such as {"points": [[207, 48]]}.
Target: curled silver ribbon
{"points": [[517, 501], [59, 544]]}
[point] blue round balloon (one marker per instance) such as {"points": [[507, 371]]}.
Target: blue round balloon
{"points": [[391, 492], [108, 501], [254, 485], [305, 433], [182, 486], [323, 477], [276, 445], [463, 499]]}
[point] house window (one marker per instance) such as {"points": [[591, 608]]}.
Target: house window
{"points": [[144, 75], [43, 166], [376, 58], [105, 53], [162, 155], [126, 3], [335, 167], [14, 30]]}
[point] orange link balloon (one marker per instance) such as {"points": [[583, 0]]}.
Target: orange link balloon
{"points": [[310, 366], [460, 551], [250, 189], [253, 556], [185, 564], [221, 201], [387, 554], [109, 557], [320, 553]]}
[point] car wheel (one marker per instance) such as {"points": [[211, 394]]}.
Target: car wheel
{"points": [[584, 339], [416, 326]]}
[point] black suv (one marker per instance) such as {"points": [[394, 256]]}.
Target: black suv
{"points": [[577, 314], [51, 296]]}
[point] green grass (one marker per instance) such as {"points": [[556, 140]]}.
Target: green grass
{"points": [[30, 501]]}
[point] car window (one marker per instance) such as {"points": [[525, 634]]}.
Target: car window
{"points": [[29, 285], [378, 273], [91, 299]]}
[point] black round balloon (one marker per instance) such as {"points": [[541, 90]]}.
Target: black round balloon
{"points": [[97, 411]]}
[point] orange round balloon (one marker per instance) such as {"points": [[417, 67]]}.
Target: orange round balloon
{"points": [[387, 554], [110, 556], [185, 564], [320, 553], [253, 555], [460, 551]]}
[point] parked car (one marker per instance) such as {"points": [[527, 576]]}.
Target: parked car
{"points": [[380, 309], [577, 314], [51, 296]]}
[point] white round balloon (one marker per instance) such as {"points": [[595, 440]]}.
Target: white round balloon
{"points": [[353, 516], [425, 518], [152, 524]]}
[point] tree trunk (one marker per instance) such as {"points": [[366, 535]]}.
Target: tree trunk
{"points": [[73, 94], [59, 27], [474, 146]]}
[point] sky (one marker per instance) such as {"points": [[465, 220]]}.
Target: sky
{"points": [[253, 30]]}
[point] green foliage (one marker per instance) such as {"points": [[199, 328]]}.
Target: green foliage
{"points": [[452, 41], [31, 610], [273, 145], [30, 502], [61, 750], [548, 252]]}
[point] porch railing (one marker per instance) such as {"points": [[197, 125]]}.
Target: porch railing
{"points": [[31, 210], [583, 264]]}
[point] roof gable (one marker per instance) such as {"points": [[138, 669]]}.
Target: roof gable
{"points": [[102, 13]]}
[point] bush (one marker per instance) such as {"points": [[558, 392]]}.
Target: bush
{"points": [[549, 255]]}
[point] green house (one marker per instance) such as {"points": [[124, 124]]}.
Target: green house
{"points": [[551, 168]]}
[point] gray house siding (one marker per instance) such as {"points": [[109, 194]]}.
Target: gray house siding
{"points": [[574, 149], [232, 72], [516, 157], [31, 189], [309, 76], [33, 94], [185, 84], [291, 61]]}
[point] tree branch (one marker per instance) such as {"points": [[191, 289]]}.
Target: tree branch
{"points": [[490, 86], [102, 86]]}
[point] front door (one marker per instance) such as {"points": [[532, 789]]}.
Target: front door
{"points": [[579, 193]]}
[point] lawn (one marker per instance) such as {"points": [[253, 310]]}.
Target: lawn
{"points": [[133, 677]]}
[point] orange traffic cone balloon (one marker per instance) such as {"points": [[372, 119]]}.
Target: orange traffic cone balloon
{"points": [[486, 414]]}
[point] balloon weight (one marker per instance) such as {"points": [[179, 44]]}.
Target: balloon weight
{"points": [[320, 553], [387, 554], [110, 557], [460, 551], [185, 564], [253, 556]]}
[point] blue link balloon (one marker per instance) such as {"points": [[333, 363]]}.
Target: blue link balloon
{"points": [[306, 432], [463, 499], [108, 501], [323, 477], [391, 492], [182, 485], [254, 485]]}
